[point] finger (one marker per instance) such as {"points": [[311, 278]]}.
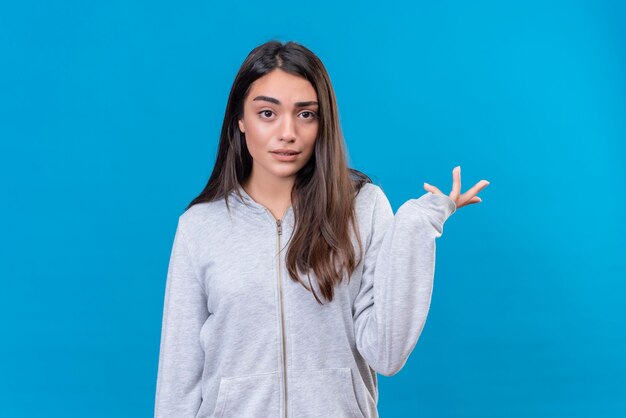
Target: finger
{"points": [[431, 188], [473, 200], [473, 191], [456, 182]]}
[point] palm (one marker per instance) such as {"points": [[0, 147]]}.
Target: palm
{"points": [[467, 198]]}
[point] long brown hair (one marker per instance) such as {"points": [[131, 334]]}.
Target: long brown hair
{"points": [[323, 194]]}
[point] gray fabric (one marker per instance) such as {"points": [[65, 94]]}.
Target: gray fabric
{"points": [[221, 342]]}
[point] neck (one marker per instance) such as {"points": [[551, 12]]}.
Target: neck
{"points": [[273, 193]]}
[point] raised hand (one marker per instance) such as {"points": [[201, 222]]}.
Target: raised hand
{"points": [[464, 199]]}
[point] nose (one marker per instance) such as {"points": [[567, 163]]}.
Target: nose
{"points": [[287, 129]]}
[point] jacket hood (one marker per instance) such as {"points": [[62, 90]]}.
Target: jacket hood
{"points": [[243, 201]]}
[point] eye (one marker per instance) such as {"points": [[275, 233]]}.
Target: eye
{"points": [[264, 114], [310, 115]]}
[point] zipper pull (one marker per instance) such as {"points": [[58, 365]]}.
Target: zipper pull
{"points": [[280, 226]]}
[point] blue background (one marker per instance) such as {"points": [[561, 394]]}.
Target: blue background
{"points": [[110, 114]]}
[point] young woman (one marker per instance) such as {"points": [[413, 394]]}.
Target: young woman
{"points": [[291, 284]]}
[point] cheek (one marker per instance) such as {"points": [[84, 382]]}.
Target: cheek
{"points": [[311, 139], [257, 137], [307, 154]]}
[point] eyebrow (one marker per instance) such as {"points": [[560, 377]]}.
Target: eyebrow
{"points": [[276, 101]]}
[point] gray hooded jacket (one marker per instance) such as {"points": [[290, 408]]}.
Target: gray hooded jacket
{"points": [[241, 339]]}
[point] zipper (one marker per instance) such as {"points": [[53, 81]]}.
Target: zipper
{"points": [[279, 227]]}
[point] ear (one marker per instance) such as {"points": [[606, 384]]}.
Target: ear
{"points": [[241, 125]]}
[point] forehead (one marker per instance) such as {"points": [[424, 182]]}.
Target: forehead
{"points": [[283, 86]]}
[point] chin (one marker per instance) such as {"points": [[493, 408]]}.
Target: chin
{"points": [[286, 174]]}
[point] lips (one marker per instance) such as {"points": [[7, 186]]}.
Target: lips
{"points": [[285, 152], [286, 156]]}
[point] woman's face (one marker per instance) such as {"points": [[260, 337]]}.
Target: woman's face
{"points": [[280, 112]]}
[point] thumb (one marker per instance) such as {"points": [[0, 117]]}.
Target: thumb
{"points": [[431, 188]]}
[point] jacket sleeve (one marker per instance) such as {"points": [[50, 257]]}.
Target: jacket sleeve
{"points": [[181, 358], [392, 304]]}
